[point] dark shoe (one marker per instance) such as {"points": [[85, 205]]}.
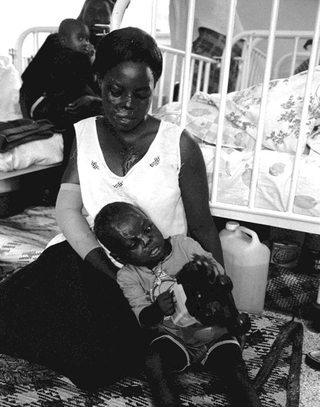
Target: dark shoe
{"points": [[313, 359]]}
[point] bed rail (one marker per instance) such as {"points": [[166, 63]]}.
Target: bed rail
{"points": [[287, 219], [34, 38], [258, 64], [252, 62], [171, 84]]}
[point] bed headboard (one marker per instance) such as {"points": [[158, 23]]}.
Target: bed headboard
{"points": [[32, 38]]}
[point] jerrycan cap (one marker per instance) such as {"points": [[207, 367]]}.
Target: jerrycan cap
{"points": [[232, 225]]}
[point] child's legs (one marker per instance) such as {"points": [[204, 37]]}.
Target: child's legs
{"points": [[226, 360], [164, 356]]}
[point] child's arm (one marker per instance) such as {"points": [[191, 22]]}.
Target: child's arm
{"points": [[153, 314], [148, 313]]}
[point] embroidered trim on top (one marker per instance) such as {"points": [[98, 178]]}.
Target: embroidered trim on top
{"points": [[155, 162], [119, 184], [95, 165]]}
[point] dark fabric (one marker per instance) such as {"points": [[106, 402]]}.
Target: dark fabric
{"points": [[20, 131], [60, 75], [211, 44], [35, 75], [60, 313], [69, 77]]}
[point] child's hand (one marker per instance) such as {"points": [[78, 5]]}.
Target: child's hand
{"points": [[166, 303], [91, 52]]}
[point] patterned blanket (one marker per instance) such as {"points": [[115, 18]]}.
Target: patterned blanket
{"points": [[28, 385]]}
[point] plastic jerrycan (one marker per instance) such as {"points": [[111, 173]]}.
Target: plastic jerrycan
{"points": [[246, 262]]}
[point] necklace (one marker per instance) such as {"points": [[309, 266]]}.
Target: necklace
{"points": [[129, 154], [130, 158]]}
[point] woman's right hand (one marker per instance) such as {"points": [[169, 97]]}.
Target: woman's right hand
{"points": [[99, 260]]}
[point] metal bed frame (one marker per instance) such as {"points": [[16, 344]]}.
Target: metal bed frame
{"points": [[256, 66]]}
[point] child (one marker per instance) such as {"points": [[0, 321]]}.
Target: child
{"points": [[74, 34], [69, 76], [149, 260]]}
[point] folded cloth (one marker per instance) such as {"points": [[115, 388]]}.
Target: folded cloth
{"points": [[20, 131]]}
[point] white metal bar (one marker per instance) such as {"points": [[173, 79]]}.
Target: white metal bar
{"points": [[117, 14], [304, 223], [21, 39], [199, 76], [154, 10], [294, 56], [225, 68], [161, 82], [305, 110], [206, 80], [186, 73], [264, 99], [173, 77]]}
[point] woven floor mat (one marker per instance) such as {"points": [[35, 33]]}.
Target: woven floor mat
{"points": [[28, 385]]}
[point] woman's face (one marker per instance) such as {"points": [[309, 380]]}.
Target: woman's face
{"points": [[127, 92], [97, 12]]}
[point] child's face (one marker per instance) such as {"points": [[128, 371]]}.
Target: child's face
{"points": [[78, 39], [140, 241]]}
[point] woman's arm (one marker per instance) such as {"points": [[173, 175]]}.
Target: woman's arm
{"points": [[195, 196], [73, 224]]}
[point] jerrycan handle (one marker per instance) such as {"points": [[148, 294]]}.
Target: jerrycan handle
{"points": [[254, 236]]}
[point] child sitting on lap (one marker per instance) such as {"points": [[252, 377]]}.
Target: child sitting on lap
{"points": [[150, 263]]}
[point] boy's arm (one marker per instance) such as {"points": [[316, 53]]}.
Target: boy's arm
{"points": [[148, 314], [153, 315]]}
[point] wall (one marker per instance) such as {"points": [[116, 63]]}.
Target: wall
{"points": [[18, 15], [293, 15]]}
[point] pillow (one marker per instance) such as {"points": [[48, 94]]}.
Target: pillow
{"points": [[24, 236], [10, 83], [43, 152], [202, 120], [283, 112]]}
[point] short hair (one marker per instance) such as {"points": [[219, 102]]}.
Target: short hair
{"points": [[103, 224], [69, 24], [128, 44], [88, 3]]}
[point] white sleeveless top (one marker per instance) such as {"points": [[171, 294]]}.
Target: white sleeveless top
{"points": [[151, 184]]}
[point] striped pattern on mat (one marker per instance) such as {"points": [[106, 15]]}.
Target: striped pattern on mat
{"points": [[29, 385]]}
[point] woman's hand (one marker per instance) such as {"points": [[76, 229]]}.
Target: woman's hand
{"points": [[98, 259], [84, 106]]}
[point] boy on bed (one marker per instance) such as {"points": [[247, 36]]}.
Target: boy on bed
{"points": [[69, 77], [149, 261], [35, 76]]}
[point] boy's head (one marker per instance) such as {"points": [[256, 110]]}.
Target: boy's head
{"points": [[130, 235], [74, 34]]}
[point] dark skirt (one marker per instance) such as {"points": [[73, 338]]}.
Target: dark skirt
{"points": [[61, 313]]}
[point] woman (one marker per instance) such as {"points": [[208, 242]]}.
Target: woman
{"points": [[66, 310]]}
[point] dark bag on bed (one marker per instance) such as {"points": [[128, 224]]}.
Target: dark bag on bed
{"points": [[20, 131]]}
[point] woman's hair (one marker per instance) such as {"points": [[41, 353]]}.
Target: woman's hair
{"points": [[128, 44]]}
